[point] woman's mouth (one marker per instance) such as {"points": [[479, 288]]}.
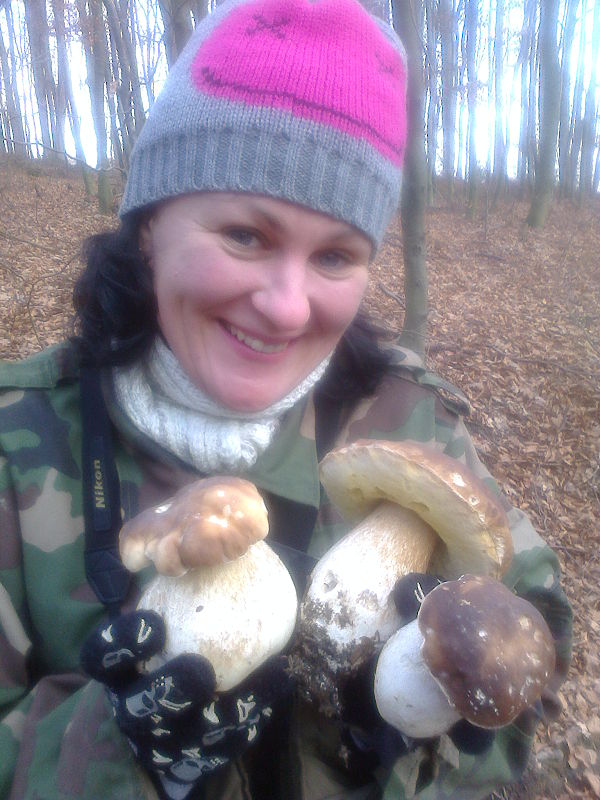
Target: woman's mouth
{"points": [[254, 344]]}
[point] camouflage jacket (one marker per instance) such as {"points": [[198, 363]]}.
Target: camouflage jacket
{"points": [[57, 736]]}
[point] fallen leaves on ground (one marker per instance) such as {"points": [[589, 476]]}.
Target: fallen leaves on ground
{"points": [[514, 322]]}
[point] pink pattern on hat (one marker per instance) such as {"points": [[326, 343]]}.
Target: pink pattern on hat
{"points": [[281, 54]]}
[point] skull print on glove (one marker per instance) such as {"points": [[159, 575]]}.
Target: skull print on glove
{"points": [[178, 727]]}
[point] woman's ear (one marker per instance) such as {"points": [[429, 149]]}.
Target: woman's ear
{"points": [[145, 240]]}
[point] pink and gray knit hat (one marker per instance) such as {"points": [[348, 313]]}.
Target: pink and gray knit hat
{"points": [[302, 100]]}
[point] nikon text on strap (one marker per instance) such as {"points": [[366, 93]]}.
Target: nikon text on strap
{"points": [[101, 496]]}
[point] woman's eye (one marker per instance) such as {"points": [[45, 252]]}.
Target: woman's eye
{"points": [[242, 237], [332, 259]]}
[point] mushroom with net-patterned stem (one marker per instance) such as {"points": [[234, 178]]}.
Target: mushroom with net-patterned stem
{"points": [[476, 652], [418, 510], [222, 591]]}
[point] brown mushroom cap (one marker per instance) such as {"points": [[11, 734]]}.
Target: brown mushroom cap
{"points": [[208, 522], [490, 651], [447, 495]]}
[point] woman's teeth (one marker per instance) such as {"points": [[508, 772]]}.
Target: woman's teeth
{"points": [[255, 344]]}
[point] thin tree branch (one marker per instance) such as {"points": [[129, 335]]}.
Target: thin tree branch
{"points": [[63, 153], [389, 293]]}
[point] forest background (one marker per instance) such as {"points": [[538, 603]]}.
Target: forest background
{"points": [[498, 243], [498, 80], [498, 90]]}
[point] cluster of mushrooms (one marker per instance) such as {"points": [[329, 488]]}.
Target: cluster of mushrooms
{"points": [[475, 651]]}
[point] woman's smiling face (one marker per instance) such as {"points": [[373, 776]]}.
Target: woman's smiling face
{"points": [[253, 293]]}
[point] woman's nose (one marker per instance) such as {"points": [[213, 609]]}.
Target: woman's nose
{"points": [[283, 297]]}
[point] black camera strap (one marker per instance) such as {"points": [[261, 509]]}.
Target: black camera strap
{"points": [[101, 496]]}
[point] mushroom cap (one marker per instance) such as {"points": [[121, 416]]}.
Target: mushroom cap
{"points": [[467, 516], [236, 614], [210, 521], [491, 652]]}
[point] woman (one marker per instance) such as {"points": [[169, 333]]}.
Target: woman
{"points": [[224, 314]]}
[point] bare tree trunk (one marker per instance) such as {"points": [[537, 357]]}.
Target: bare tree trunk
{"points": [[576, 127], [22, 132], [408, 20], [528, 60], [128, 21], [564, 132], [499, 143], [461, 168], [118, 135], [596, 180], [65, 101], [177, 21], [433, 107], [545, 177], [13, 120], [6, 145], [154, 46], [588, 134], [523, 61], [75, 126], [448, 37], [199, 10], [147, 43], [122, 132], [471, 23], [125, 76], [533, 101], [94, 42], [60, 91], [45, 90]]}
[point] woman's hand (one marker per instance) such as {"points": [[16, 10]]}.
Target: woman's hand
{"points": [[179, 728]]}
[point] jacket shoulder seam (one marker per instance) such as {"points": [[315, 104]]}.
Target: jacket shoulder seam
{"points": [[43, 370]]}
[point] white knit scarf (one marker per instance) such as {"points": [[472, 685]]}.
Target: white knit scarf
{"points": [[161, 401]]}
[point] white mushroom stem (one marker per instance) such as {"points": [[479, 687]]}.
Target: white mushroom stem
{"points": [[399, 528], [348, 599], [236, 614], [407, 695]]}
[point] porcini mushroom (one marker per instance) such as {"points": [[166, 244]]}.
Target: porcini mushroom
{"points": [[210, 521], [476, 651], [418, 510], [221, 590]]}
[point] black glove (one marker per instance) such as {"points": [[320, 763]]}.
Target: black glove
{"points": [[178, 727], [368, 740], [409, 592]]}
